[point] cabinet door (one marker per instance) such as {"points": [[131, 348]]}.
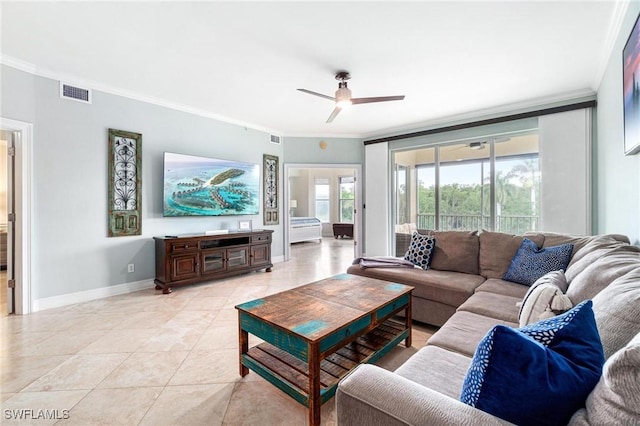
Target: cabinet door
{"points": [[260, 254], [237, 257], [184, 267], [213, 261]]}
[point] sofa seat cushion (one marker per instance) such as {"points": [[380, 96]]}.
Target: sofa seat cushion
{"points": [[497, 249], [456, 251], [602, 272], [493, 305], [617, 312], [463, 332], [450, 288], [507, 288], [437, 369]]}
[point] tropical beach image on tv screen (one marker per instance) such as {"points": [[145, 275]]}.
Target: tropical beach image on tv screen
{"points": [[201, 186]]}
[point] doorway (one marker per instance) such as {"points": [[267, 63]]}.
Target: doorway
{"points": [[7, 296], [329, 192], [16, 219]]}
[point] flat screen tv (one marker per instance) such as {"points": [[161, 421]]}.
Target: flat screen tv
{"points": [[201, 186]]}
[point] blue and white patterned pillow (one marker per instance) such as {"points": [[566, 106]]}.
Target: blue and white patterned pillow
{"points": [[420, 250], [539, 374], [531, 263]]}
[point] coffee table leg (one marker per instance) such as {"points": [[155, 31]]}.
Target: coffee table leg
{"points": [[315, 404], [244, 347], [407, 341]]}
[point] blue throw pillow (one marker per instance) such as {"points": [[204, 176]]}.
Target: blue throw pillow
{"points": [[531, 263], [420, 250], [539, 374]]}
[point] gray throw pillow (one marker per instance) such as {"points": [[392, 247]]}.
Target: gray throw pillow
{"points": [[616, 397]]}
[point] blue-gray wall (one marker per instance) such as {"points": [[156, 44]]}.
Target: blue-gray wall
{"points": [[337, 151], [71, 250], [616, 176]]}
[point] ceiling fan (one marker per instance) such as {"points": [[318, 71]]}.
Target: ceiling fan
{"points": [[343, 97], [481, 144]]}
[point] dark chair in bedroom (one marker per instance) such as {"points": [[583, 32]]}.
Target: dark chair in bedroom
{"points": [[343, 230]]}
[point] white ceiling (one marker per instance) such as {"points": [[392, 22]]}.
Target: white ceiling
{"points": [[242, 62]]}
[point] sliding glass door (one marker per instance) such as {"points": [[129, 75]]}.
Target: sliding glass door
{"points": [[490, 183]]}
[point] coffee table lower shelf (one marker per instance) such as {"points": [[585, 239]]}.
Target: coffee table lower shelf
{"points": [[291, 374]]}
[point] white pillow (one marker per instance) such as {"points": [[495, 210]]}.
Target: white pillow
{"points": [[545, 299]]}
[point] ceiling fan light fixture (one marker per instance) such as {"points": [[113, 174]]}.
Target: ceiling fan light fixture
{"points": [[343, 96]]}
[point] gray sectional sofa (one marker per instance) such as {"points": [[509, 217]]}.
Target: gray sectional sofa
{"points": [[464, 294]]}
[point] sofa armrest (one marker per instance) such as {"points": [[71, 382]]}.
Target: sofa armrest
{"points": [[371, 395]]}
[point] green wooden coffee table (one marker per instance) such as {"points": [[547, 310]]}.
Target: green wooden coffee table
{"points": [[315, 334]]}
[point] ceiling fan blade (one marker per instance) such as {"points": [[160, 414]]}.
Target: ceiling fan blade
{"points": [[355, 101], [331, 98], [335, 112]]}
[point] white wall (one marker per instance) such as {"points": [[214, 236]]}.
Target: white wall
{"points": [[616, 176], [376, 213], [71, 250], [299, 191], [565, 165]]}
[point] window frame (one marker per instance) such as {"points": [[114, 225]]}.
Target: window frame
{"points": [[322, 181]]}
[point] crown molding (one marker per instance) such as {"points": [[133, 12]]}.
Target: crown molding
{"points": [[112, 90], [615, 25]]}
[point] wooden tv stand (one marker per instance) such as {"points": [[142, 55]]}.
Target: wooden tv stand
{"points": [[189, 259]]}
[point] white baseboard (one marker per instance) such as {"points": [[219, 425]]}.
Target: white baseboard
{"points": [[85, 296], [100, 293]]}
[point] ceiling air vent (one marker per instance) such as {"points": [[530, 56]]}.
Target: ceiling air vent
{"points": [[75, 93], [275, 139]]}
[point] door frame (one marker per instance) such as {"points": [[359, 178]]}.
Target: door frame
{"points": [[23, 210], [357, 229]]}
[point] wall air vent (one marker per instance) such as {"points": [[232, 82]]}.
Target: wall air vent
{"points": [[275, 139], [74, 93]]}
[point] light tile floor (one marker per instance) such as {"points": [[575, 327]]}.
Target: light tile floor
{"points": [[146, 358]]}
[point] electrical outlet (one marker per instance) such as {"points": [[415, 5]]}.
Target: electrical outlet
{"points": [[131, 267]]}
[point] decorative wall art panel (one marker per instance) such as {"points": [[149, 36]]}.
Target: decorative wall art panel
{"points": [[125, 183], [271, 167], [631, 91]]}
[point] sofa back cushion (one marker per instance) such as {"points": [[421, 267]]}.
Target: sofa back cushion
{"points": [[591, 252], [456, 251], [617, 311], [602, 272], [497, 249], [555, 239]]}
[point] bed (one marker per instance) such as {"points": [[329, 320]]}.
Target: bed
{"points": [[304, 229]]}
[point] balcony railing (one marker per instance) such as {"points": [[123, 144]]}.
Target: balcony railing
{"points": [[459, 222]]}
